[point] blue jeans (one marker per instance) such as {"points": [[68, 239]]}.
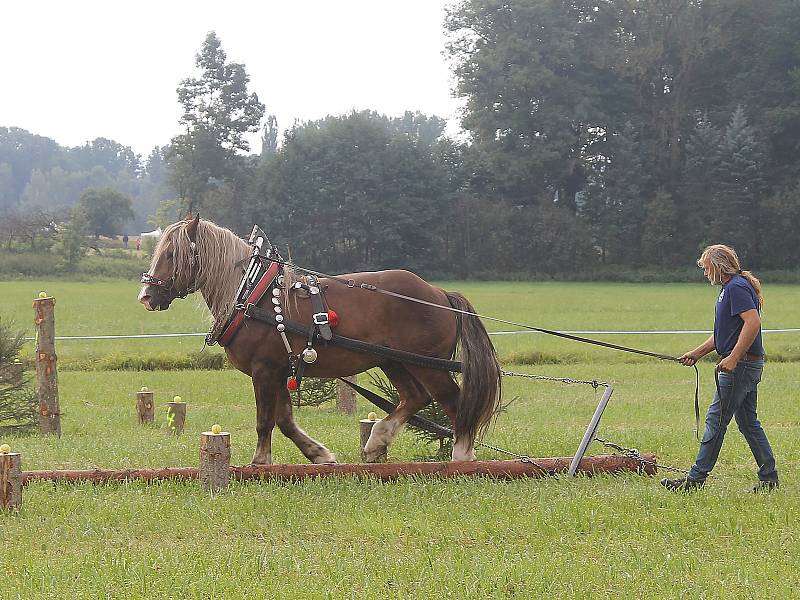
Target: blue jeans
{"points": [[739, 397]]}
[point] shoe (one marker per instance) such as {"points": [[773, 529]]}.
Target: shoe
{"points": [[684, 484], [765, 486]]}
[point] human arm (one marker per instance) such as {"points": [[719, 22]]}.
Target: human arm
{"points": [[691, 357], [750, 329]]}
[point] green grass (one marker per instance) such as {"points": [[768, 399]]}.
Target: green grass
{"points": [[110, 308], [417, 538], [622, 536]]}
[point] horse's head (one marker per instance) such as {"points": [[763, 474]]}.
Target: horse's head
{"points": [[174, 268]]}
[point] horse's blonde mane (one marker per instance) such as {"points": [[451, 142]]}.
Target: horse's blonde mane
{"points": [[220, 253]]}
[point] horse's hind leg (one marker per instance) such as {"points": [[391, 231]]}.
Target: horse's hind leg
{"points": [[311, 448], [441, 386], [412, 398]]}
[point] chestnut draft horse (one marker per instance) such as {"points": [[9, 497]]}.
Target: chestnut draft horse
{"points": [[197, 255]]}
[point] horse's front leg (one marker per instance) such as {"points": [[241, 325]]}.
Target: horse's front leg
{"points": [[311, 448], [265, 386]]}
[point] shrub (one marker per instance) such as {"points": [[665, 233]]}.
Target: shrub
{"points": [[18, 401]]}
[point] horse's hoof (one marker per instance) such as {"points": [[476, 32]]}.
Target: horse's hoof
{"points": [[376, 456], [330, 459], [255, 462]]}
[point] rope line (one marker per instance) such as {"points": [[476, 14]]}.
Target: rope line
{"points": [[168, 335]]}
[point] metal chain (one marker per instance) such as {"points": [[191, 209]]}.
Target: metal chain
{"points": [[634, 454], [594, 383], [522, 457]]}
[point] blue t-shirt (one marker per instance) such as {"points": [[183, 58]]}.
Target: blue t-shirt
{"points": [[737, 296]]}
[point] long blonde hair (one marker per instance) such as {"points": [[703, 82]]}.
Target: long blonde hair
{"points": [[723, 261], [218, 251]]}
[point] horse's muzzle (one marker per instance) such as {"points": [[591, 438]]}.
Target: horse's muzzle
{"points": [[154, 299]]}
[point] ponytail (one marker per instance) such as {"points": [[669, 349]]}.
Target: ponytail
{"points": [[753, 281]]}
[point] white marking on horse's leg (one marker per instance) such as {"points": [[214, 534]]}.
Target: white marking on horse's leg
{"points": [[314, 451], [327, 458], [463, 449], [261, 458], [383, 433]]}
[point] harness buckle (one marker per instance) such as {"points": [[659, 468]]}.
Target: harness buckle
{"points": [[321, 318]]}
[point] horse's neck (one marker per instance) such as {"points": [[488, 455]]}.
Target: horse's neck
{"points": [[220, 279]]}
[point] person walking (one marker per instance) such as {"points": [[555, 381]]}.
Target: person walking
{"points": [[737, 340]]}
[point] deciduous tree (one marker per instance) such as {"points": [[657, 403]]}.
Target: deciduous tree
{"points": [[106, 211]]}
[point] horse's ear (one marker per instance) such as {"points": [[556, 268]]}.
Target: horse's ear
{"points": [[191, 228]]}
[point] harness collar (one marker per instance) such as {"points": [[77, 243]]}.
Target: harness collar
{"points": [[263, 272]]}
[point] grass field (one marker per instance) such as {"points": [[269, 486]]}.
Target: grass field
{"points": [[417, 538], [110, 308]]}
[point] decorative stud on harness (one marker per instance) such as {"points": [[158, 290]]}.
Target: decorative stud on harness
{"points": [[264, 273]]}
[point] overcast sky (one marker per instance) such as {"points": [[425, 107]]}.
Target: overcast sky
{"points": [[74, 71]]}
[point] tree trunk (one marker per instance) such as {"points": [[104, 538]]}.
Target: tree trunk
{"points": [[346, 396], [215, 460], [145, 407], [46, 371], [176, 417], [496, 469], [10, 481]]}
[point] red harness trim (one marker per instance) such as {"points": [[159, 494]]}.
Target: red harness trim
{"points": [[261, 287]]}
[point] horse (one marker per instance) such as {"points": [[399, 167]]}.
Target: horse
{"points": [[198, 255]]}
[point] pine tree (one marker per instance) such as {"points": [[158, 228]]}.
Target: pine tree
{"points": [[218, 112], [739, 187], [661, 242], [626, 185], [18, 403], [696, 203]]}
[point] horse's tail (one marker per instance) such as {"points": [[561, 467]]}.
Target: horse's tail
{"points": [[480, 385]]}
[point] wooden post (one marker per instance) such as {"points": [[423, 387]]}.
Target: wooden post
{"points": [[145, 407], [346, 396], [10, 481], [366, 430], [215, 460], [176, 417], [46, 372]]}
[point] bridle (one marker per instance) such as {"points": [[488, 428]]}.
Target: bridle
{"points": [[169, 284]]}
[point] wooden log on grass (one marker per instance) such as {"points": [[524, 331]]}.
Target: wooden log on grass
{"points": [[366, 426], [145, 406], [46, 372], [603, 464], [346, 396], [493, 469], [176, 416], [215, 459], [10, 480], [109, 475]]}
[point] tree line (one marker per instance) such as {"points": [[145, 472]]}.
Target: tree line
{"points": [[601, 137]]}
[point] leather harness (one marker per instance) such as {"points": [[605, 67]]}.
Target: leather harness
{"points": [[264, 275]]}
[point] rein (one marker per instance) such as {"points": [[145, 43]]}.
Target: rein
{"points": [[369, 287]]}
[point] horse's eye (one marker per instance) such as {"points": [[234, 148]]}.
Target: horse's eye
{"points": [[170, 255]]}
